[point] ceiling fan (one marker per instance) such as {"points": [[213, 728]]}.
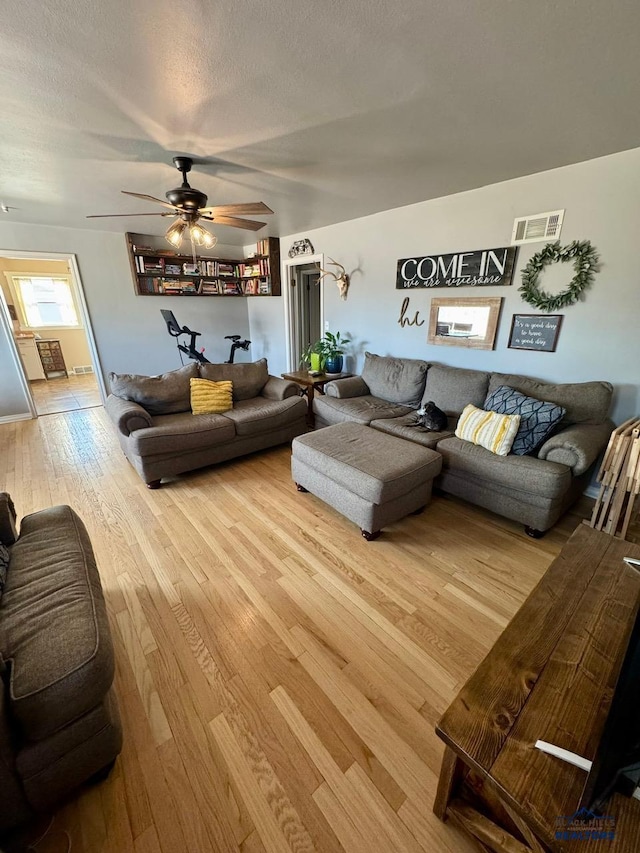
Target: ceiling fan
{"points": [[188, 206]]}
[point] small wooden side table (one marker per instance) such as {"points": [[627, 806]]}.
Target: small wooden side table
{"points": [[309, 384]]}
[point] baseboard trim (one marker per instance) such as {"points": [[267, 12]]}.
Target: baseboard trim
{"points": [[8, 419]]}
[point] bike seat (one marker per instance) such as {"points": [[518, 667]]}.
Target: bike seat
{"points": [[232, 337]]}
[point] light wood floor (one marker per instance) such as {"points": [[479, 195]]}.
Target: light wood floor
{"points": [[65, 394], [279, 678]]}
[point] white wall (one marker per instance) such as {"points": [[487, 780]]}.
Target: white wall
{"points": [[129, 331], [600, 337], [13, 401]]}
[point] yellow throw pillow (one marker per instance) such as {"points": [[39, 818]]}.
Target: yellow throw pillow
{"points": [[210, 398], [490, 430]]}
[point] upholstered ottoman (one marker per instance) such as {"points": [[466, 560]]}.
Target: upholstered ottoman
{"points": [[370, 477]]}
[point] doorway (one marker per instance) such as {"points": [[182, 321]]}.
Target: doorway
{"points": [[304, 303], [48, 323]]}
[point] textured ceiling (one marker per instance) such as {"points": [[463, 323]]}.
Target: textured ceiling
{"points": [[325, 109]]}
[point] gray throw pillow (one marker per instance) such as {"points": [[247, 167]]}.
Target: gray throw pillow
{"points": [[396, 380], [538, 418], [583, 402], [165, 394], [249, 378]]}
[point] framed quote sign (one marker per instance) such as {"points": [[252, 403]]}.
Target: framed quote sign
{"points": [[535, 332]]}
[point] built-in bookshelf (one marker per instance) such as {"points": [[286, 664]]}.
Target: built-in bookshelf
{"points": [[157, 272]]}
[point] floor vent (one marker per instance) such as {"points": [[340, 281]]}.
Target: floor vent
{"points": [[83, 368], [537, 228]]}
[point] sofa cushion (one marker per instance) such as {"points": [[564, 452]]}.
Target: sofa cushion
{"points": [[405, 427], [248, 378], [159, 395], [538, 419], [54, 632], [260, 415], [396, 380], [210, 398], [490, 430], [181, 432], [375, 466], [523, 473], [584, 402], [452, 388], [361, 410]]}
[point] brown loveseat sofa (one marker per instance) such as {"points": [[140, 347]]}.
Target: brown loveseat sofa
{"points": [[59, 723], [161, 437], [533, 489]]}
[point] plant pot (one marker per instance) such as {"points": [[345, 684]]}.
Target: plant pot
{"points": [[333, 364], [317, 362]]}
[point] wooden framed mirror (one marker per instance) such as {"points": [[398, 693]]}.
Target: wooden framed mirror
{"points": [[464, 322]]}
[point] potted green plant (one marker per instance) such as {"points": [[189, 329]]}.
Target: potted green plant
{"points": [[333, 351], [314, 357]]}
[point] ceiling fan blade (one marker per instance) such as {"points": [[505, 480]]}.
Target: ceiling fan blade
{"points": [[151, 198], [235, 222], [105, 215], [250, 209]]}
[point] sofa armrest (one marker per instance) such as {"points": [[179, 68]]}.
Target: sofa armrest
{"points": [[352, 386], [577, 446], [8, 518], [126, 415], [280, 389]]}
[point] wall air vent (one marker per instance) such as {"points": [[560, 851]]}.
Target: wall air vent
{"points": [[84, 368], [537, 228]]}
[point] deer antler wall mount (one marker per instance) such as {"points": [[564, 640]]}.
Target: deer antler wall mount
{"points": [[341, 277]]}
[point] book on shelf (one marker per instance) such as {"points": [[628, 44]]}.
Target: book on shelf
{"points": [[209, 287], [231, 288], [227, 269], [251, 287], [264, 288], [150, 284], [262, 247], [172, 269]]}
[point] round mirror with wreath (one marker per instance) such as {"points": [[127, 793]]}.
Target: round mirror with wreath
{"points": [[585, 260]]}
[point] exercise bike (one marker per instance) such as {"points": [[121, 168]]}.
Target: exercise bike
{"points": [[189, 349]]}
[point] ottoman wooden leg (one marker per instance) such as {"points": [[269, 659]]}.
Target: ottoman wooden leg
{"points": [[370, 536], [301, 488], [419, 510], [154, 484]]}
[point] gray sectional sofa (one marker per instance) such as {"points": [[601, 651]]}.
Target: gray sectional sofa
{"points": [[161, 437], [534, 489]]}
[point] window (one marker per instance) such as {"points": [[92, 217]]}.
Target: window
{"points": [[45, 301]]}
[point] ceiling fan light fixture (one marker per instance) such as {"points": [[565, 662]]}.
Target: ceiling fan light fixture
{"points": [[209, 240], [175, 232], [201, 237]]}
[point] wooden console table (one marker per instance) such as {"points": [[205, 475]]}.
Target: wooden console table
{"points": [[550, 677]]}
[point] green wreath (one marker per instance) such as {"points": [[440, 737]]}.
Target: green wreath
{"points": [[585, 262]]}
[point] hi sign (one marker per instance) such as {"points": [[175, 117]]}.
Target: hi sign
{"points": [[482, 268]]}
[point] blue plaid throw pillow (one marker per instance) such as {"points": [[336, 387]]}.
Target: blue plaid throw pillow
{"points": [[537, 418]]}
